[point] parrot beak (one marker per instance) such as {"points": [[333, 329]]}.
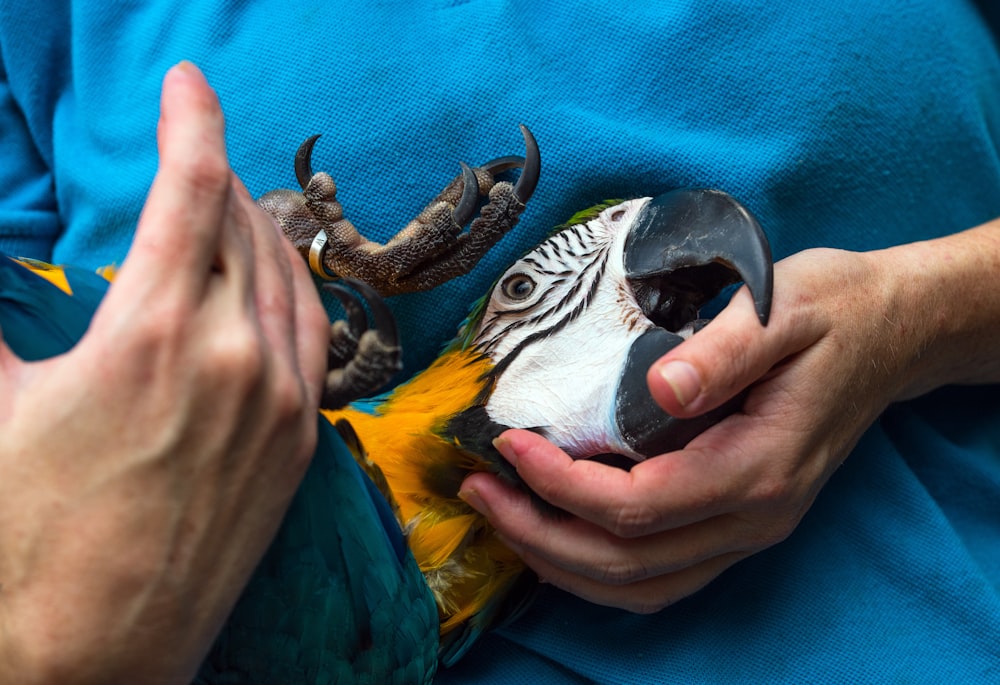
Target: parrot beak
{"points": [[683, 248]]}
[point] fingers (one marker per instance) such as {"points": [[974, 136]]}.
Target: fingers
{"points": [[585, 548], [311, 323], [726, 356], [639, 574], [182, 228], [638, 540], [211, 276], [273, 293], [289, 308], [664, 492], [642, 597]]}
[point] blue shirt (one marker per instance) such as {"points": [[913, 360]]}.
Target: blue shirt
{"points": [[859, 124]]}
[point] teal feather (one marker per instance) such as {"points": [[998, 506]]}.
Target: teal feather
{"points": [[337, 598], [37, 319]]}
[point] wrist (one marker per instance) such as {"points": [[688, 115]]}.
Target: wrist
{"points": [[942, 299]]}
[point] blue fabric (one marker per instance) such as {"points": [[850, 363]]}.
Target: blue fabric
{"points": [[857, 124]]}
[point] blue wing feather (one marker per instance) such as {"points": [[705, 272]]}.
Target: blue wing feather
{"points": [[338, 586], [39, 320], [337, 597]]}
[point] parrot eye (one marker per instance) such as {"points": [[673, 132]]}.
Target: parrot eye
{"points": [[518, 286], [618, 216]]}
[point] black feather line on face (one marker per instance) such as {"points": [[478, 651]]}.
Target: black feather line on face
{"points": [[595, 267], [494, 373], [474, 430]]}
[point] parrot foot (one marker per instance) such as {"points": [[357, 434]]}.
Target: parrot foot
{"points": [[431, 249], [361, 359]]}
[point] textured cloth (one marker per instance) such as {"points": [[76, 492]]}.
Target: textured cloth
{"points": [[858, 124]]}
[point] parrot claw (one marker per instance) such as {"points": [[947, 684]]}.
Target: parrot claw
{"points": [[361, 359], [431, 249]]}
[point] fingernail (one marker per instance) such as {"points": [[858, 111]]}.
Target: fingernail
{"points": [[180, 72], [504, 447], [683, 379], [472, 498], [188, 69]]}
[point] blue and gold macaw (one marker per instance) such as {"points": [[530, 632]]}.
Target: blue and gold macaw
{"points": [[606, 295], [380, 571]]}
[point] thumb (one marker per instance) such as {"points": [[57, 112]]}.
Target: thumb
{"points": [[719, 361]]}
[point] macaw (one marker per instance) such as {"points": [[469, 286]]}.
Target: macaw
{"points": [[337, 597], [380, 571], [560, 345]]}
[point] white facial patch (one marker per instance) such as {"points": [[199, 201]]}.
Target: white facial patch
{"points": [[567, 315]]}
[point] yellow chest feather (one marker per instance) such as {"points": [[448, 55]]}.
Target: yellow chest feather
{"points": [[464, 561]]}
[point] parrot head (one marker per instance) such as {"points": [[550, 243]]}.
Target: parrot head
{"points": [[572, 327]]}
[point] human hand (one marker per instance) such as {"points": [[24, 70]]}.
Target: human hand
{"points": [[143, 474], [849, 333]]}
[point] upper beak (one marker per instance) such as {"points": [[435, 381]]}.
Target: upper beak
{"points": [[683, 248]]}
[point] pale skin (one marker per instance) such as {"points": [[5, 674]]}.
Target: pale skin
{"points": [[850, 333], [143, 474]]}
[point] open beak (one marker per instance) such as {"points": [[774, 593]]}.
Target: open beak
{"points": [[684, 247]]}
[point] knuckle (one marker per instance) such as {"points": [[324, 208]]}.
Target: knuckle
{"points": [[772, 494], [736, 348], [779, 502], [776, 531], [288, 398], [152, 331], [157, 328], [623, 572], [207, 171], [633, 519], [236, 356], [549, 489]]}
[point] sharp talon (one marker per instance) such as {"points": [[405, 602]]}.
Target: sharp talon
{"points": [[466, 207], [526, 184], [303, 161], [357, 320], [501, 164], [385, 322], [317, 257], [531, 165]]}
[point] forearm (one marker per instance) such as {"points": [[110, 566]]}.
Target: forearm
{"points": [[944, 303]]}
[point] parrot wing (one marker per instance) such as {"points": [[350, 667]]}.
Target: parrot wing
{"points": [[337, 597], [44, 309]]}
